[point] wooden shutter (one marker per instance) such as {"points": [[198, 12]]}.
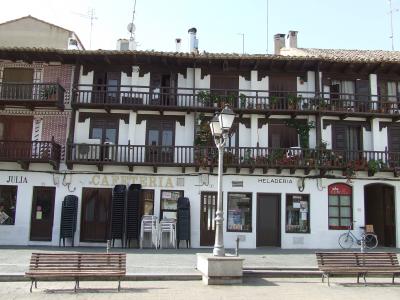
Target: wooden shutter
{"points": [[394, 138], [339, 137]]}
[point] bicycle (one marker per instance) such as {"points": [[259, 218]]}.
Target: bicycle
{"points": [[368, 240]]}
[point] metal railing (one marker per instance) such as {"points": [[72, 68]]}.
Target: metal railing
{"points": [[34, 93], [249, 100], [248, 157]]}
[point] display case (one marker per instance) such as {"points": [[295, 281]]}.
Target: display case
{"points": [[169, 203]]}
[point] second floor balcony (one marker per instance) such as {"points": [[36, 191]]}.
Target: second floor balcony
{"points": [[242, 101], [251, 158], [32, 95], [26, 152]]}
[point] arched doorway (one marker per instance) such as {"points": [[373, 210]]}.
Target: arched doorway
{"points": [[380, 212]]}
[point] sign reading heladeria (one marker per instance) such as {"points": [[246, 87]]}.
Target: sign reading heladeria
{"points": [[145, 181], [275, 180]]}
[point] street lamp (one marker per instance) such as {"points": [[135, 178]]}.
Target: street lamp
{"points": [[220, 126]]}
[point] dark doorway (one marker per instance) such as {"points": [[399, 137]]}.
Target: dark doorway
{"points": [[208, 207], [42, 213], [380, 212], [226, 87], [106, 87], [160, 137], [268, 220], [95, 217], [163, 89]]}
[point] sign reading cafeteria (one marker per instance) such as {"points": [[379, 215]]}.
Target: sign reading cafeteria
{"points": [[145, 181]]}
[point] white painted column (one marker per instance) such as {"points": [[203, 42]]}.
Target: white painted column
{"points": [[132, 127], [254, 129], [373, 82]]}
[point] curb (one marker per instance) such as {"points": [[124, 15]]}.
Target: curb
{"points": [[247, 272]]}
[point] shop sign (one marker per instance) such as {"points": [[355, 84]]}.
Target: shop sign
{"points": [[275, 180], [17, 179], [145, 181], [339, 189]]}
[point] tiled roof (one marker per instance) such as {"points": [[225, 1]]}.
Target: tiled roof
{"points": [[293, 54], [343, 55]]}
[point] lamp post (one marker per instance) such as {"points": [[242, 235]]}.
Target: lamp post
{"points": [[220, 126]]}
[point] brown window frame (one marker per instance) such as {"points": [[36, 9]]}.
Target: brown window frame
{"points": [[289, 197], [159, 124], [250, 213], [8, 210], [182, 192], [102, 122], [339, 206]]}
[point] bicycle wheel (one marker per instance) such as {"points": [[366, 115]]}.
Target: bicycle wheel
{"points": [[371, 241], [346, 241]]}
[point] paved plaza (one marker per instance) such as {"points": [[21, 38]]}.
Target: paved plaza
{"points": [[252, 288]]}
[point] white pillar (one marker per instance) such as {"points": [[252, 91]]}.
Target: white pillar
{"points": [[132, 127], [373, 82], [254, 130]]}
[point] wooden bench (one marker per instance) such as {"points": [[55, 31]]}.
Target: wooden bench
{"points": [[358, 263], [76, 266]]}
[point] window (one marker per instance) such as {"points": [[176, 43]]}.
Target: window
{"points": [[393, 91], [297, 214], [106, 130], [147, 202], [160, 133], [340, 206], [282, 136], [239, 212], [169, 203], [8, 202]]}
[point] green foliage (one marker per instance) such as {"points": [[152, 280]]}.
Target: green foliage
{"points": [[374, 166], [47, 92], [303, 130]]}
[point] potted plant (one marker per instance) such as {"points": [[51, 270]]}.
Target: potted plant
{"points": [[48, 92], [292, 101], [373, 167], [273, 102]]}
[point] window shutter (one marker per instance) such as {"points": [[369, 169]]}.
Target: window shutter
{"points": [[339, 137]]}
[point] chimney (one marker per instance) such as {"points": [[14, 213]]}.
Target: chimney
{"points": [[122, 44], [132, 44], [178, 44], [193, 41], [291, 39], [279, 42]]}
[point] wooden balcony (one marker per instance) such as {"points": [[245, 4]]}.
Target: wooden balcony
{"points": [[28, 152], [32, 95], [242, 101], [237, 158]]}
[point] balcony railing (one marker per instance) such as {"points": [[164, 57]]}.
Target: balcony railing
{"points": [[30, 151], [32, 94], [240, 157], [146, 97]]}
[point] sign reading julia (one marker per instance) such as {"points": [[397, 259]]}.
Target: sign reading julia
{"points": [[275, 180], [145, 181], [17, 179]]}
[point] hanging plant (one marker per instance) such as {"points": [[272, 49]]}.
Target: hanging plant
{"points": [[303, 130]]}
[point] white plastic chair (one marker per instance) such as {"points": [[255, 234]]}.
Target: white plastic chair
{"points": [[149, 225], [167, 226]]}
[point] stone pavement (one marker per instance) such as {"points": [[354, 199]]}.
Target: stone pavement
{"points": [[15, 259], [252, 288]]}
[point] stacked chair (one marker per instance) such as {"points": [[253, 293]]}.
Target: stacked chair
{"points": [[149, 226], [167, 227]]}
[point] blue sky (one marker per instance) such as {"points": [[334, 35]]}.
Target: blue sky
{"points": [[344, 24]]}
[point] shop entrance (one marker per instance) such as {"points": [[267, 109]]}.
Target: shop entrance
{"points": [[268, 220], [208, 207], [96, 213], [42, 213], [380, 212]]}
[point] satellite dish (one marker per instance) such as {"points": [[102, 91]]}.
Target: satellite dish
{"points": [[131, 27]]}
